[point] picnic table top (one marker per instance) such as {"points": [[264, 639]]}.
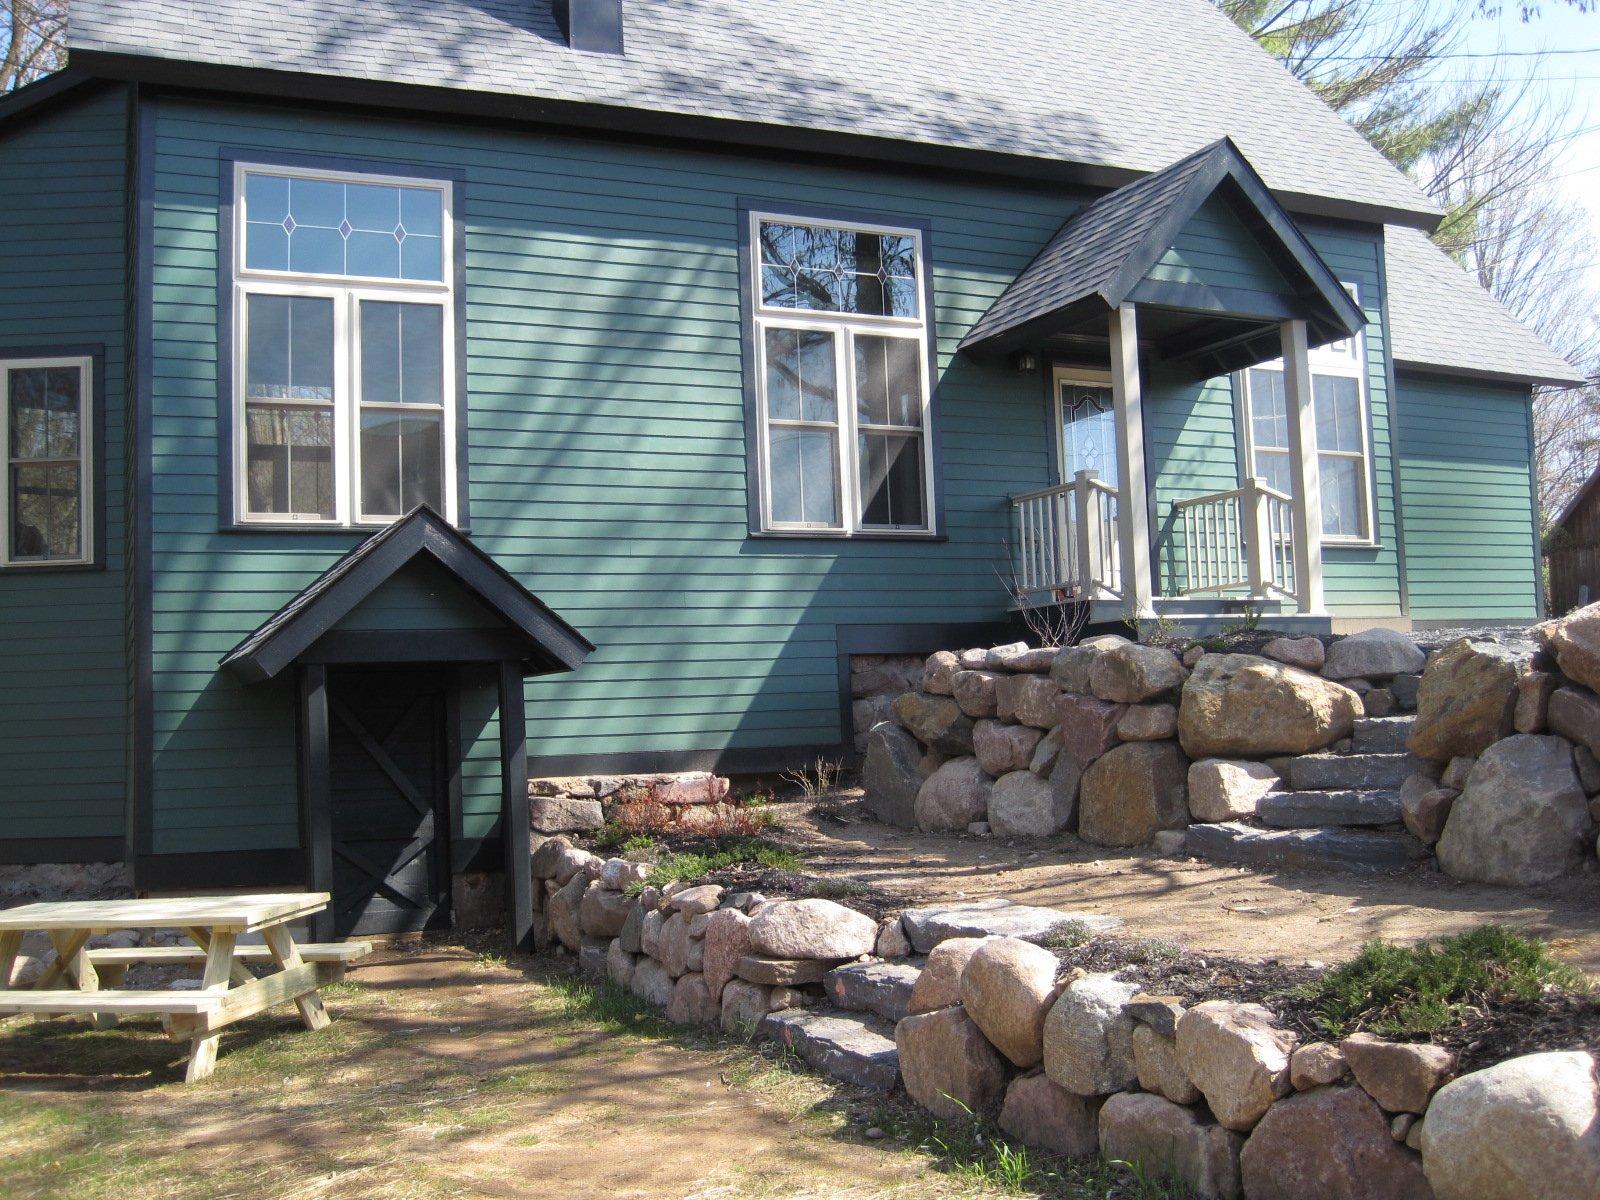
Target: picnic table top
{"points": [[240, 914]]}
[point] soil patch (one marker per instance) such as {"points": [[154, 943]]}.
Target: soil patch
{"points": [[1163, 969]]}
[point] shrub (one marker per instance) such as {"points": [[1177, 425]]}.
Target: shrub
{"points": [[1400, 991], [693, 866]]}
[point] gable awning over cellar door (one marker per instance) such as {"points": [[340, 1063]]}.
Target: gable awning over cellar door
{"points": [[520, 628], [1107, 255]]}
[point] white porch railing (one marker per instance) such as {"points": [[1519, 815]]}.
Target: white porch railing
{"points": [[1241, 540], [1067, 540]]}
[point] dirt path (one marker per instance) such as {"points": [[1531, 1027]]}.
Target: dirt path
{"points": [[442, 1075], [1293, 914]]}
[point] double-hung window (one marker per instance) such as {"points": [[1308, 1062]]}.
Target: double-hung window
{"points": [[841, 341], [47, 440], [1339, 394], [344, 412]]}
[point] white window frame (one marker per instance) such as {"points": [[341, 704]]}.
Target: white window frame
{"points": [[1346, 358], [86, 483], [845, 327], [347, 292]]}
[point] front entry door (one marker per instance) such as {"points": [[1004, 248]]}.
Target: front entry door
{"points": [[390, 812]]}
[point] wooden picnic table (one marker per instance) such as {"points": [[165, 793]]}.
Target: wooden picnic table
{"points": [[228, 992]]}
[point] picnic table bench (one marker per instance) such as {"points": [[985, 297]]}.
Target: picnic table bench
{"points": [[229, 991]]}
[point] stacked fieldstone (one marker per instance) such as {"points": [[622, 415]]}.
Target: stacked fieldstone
{"points": [[876, 682], [961, 1005], [583, 803], [1509, 788]]}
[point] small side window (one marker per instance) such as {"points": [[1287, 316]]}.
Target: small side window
{"points": [[48, 446]]}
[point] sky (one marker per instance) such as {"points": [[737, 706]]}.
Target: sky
{"points": [[1572, 76]]}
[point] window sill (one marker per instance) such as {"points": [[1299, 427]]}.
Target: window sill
{"points": [[62, 568], [1347, 544], [314, 527], [834, 535]]}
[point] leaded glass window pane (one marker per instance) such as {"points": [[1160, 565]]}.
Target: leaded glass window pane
{"points": [[1090, 431], [1269, 413], [402, 461], [329, 227], [1341, 496], [830, 269], [891, 480], [1338, 404], [289, 460], [402, 353], [888, 381], [290, 348]]}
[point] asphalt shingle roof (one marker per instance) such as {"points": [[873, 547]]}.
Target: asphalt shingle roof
{"points": [[1130, 85], [1440, 317]]}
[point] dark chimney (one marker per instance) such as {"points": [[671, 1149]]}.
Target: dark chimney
{"points": [[594, 25]]}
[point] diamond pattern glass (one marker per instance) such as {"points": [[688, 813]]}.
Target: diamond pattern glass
{"points": [[328, 227]]}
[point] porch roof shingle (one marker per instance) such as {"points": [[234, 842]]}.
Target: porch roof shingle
{"points": [[1119, 87]]}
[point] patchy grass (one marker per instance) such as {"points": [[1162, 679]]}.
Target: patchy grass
{"points": [[1069, 935], [615, 838], [693, 865], [1403, 991]]}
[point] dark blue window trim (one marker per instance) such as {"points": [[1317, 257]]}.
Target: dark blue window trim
{"points": [[94, 499], [228, 158], [752, 400]]}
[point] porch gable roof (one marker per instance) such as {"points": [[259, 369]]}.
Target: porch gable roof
{"points": [[541, 639], [1100, 256]]}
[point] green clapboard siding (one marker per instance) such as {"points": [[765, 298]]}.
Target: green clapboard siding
{"points": [[1214, 248], [421, 595], [607, 456], [1464, 449], [63, 676], [1193, 448]]}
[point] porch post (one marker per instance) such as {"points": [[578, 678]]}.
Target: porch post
{"points": [[1300, 405], [316, 816], [514, 833], [1133, 514]]}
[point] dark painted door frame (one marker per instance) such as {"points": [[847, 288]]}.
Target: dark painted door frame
{"points": [[315, 776]]}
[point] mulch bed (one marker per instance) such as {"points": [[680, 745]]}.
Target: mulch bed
{"points": [[1485, 1036]]}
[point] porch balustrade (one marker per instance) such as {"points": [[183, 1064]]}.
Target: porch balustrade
{"points": [[1066, 543], [1240, 540]]}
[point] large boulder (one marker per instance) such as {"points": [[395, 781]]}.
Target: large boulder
{"points": [[727, 940], [818, 929], [564, 814], [1574, 713], [947, 1065], [1027, 700], [1003, 748], [1155, 1057], [1132, 674], [651, 983], [939, 671], [563, 909], [1088, 1039], [1045, 1116], [1243, 706], [1148, 723], [1425, 807], [1023, 805], [890, 777], [974, 691], [1374, 654], [939, 985], [1333, 1143], [1467, 700], [1575, 641], [602, 912], [692, 1003], [1307, 653], [1007, 988], [1524, 1129], [1400, 1076], [1237, 1059], [1223, 789], [935, 721], [1522, 819], [953, 797], [1167, 1140], [1087, 727], [1131, 792]]}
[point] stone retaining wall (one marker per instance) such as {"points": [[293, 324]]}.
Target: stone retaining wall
{"points": [[876, 681], [583, 803], [1298, 751], [962, 1008]]}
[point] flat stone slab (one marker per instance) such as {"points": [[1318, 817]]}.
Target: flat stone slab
{"points": [[1324, 772], [927, 927], [1382, 735], [882, 988], [1311, 810], [848, 1047], [1336, 849]]}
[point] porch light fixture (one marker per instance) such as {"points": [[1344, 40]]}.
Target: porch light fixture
{"points": [[1025, 362]]}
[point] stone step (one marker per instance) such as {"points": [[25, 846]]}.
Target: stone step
{"points": [[1334, 849], [1340, 772], [853, 1048], [1382, 735], [881, 988], [927, 927], [1312, 810]]}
